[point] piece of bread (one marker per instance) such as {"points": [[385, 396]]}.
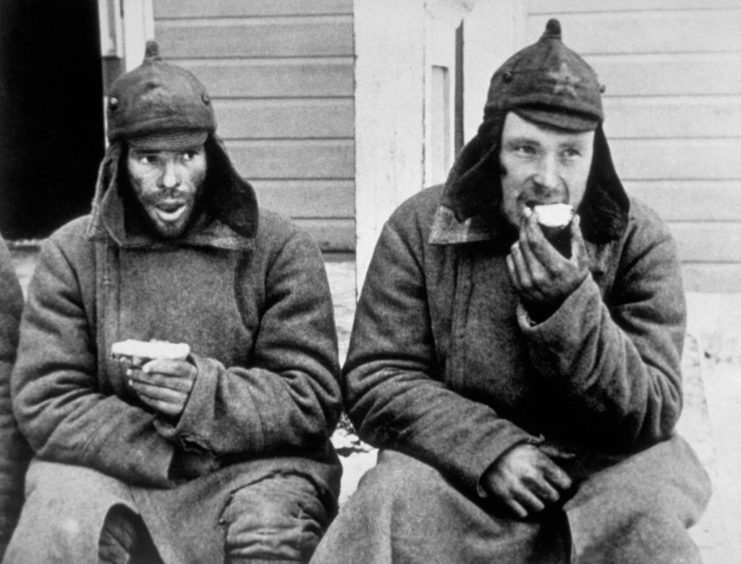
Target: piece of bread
{"points": [[150, 349], [554, 215]]}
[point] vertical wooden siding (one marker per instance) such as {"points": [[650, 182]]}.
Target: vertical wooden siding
{"points": [[672, 69], [280, 73]]}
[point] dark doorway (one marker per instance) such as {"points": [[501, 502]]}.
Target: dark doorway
{"points": [[51, 113]]}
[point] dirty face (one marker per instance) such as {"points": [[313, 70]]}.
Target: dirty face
{"points": [[542, 166], [167, 184]]}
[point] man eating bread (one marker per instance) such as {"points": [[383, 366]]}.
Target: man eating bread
{"points": [[523, 393], [177, 374]]}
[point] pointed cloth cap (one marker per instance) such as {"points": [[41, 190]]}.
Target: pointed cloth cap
{"points": [[549, 84], [158, 100]]}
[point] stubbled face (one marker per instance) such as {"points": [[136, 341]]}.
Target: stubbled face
{"points": [[542, 166], [167, 184]]}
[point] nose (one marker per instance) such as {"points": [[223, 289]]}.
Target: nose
{"points": [[169, 177], [547, 177]]}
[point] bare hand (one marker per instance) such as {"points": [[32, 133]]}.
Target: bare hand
{"points": [[542, 276], [164, 385], [526, 480]]}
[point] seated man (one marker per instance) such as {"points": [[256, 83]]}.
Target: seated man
{"points": [[525, 397], [223, 454], [15, 451]]}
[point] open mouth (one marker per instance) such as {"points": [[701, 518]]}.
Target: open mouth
{"points": [[169, 212], [533, 203]]}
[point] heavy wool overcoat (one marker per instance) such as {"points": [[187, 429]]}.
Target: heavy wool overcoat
{"points": [[445, 365], [248, 292], [14, 450]]}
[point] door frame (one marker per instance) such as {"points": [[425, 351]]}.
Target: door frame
{"points": [[125, 27], [395, 48]]}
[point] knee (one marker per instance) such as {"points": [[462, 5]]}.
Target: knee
{"points": [[68, 530], [61, 539], [654, 540], [72, 503], [280, 518], [401, 482]]}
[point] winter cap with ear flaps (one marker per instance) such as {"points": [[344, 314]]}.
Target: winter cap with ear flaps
{"points": [[159, 105], [549, 84]]}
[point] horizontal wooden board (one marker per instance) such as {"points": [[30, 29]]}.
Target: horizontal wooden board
{"points": [[683, 159], [707, 241], [290, 78], [686, 200], [272, 37], [713, 277], [667, 75], [556, 7], [696, 31], [285, 118], [680, 117], [308, 198], [333, 235], [292, 159], [242, 8]]}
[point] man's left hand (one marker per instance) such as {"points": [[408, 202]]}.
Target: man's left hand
{"points": [[164, 385], [542, 276]]}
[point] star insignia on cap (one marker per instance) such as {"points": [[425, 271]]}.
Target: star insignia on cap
{"points": [[566, 80]]}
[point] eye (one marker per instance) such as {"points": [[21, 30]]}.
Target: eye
{"points": [[147, 159], [187, 156], [570, 155], [525, 149]]}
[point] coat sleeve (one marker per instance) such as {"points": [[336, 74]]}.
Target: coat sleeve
{"points": [[396, 396], [618, 357], [58, 401], [13, 446], [288, 400]]}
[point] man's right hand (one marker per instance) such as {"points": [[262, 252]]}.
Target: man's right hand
{"points": [[163, 384], [526, 480]]}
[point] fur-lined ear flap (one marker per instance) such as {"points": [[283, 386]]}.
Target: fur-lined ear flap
{"points": [[105, 183], [470, 184], [473, 185], [228, 196], [605, 206], [109, 167]]}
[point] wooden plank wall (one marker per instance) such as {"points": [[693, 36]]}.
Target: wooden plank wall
{"points": [[672, 69], [280, 73]]}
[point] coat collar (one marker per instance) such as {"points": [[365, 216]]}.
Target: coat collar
{"points": [[233, 212], [448, 230]]}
